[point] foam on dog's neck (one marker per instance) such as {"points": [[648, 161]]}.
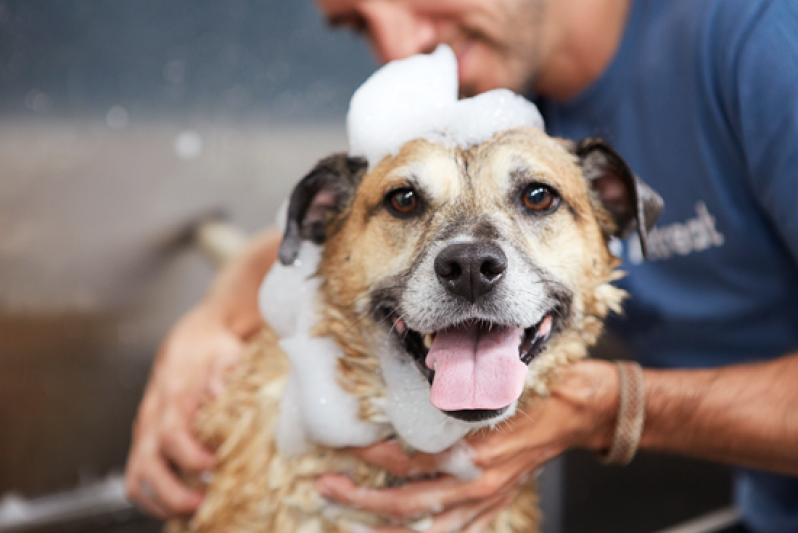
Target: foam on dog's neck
{"points": [[407, 405], [313, 408], [416, 98]]}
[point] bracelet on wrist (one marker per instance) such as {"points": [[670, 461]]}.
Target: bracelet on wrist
{"points": [[631, 415]]}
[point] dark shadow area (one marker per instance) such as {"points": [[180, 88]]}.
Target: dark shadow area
{"points": [[654, 492]]}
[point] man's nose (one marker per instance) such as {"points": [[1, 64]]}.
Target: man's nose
{"points": [[397, 31]]}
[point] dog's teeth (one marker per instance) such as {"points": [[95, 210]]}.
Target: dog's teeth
{"points": [[545, 326], [399, 324], [428, 341]]}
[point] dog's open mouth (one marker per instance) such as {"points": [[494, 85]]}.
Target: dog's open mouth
{"points": [[476, 369]]}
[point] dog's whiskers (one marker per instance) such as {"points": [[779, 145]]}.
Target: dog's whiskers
{"points": [[523, 412]]}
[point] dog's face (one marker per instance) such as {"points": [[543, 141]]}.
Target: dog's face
{"points": [[468, 261]]}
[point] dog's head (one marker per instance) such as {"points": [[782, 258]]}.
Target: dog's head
{"points": [[466, 263]]}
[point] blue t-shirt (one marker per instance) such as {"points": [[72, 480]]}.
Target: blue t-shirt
{"points": [[702, 102]]}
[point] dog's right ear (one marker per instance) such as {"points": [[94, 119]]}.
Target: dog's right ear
{"points": [[316, 199]]}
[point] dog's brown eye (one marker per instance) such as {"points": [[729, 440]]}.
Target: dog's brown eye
{"points": [[403, 201], [538, 197]]}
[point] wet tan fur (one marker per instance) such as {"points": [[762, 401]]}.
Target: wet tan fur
{"points": [[254, 488]]}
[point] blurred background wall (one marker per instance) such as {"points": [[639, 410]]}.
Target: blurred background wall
{"points": [[122, 124]]}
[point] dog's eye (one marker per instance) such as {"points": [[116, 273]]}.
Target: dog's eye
{"points": [[539, 197], [402, 202]]}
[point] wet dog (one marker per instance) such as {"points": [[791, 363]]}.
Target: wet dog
{"points": [[464, 277]]}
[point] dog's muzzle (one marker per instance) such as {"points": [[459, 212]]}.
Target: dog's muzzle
{"points": [[476, 360], [476, 368]]}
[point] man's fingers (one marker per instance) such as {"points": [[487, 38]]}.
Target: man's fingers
{"points": [[473, 518], [391, 457], [496, 447], [458, 518], [183, 450], [151, 506], [481, 522], [392, 503], [170, 492], [524, 439], [404, 503], [423, 497], [140, 493]]}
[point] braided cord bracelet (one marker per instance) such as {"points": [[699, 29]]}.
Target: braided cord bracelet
{"points": [[630, 417]]}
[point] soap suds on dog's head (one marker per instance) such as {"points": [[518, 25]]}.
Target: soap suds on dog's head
{"points": [[416, 98]]}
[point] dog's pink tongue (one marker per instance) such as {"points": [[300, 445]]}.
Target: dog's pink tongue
{"points": [[476, 368]]}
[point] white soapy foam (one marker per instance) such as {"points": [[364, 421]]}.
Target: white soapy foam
{"points": [[459, 462], [398, 102], [290, 433], [416, 98], [328, 414], [422, 524], [313, 408], [407, 405], [287, 296]]}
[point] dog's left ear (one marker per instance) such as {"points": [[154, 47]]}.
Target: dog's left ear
{"points": [[315, 200], [633, 204]]}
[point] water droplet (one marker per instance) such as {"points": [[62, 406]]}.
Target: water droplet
{"points": [[117, 117], [188, 144]]}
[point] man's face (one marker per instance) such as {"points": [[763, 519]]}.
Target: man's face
{"points": [[498, 43]]}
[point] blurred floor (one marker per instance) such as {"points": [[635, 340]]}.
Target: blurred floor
{"points": [[130, 522]]}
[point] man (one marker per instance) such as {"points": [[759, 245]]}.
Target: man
{"points": [[701, 98]]}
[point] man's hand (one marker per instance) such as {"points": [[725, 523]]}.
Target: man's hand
{"points": [[580, 412], [189, 365]]}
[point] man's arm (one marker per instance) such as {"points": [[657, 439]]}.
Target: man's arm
{"points": [[234, 293], [189, 364], [745, 415]]}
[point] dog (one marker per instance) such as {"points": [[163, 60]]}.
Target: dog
{"points": [[496, 254]]}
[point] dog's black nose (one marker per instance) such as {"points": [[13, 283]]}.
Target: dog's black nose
{"points": [[470, 270]]}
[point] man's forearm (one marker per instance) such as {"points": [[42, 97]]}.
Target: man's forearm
{"points": [[234, 294], [745, 415]]}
